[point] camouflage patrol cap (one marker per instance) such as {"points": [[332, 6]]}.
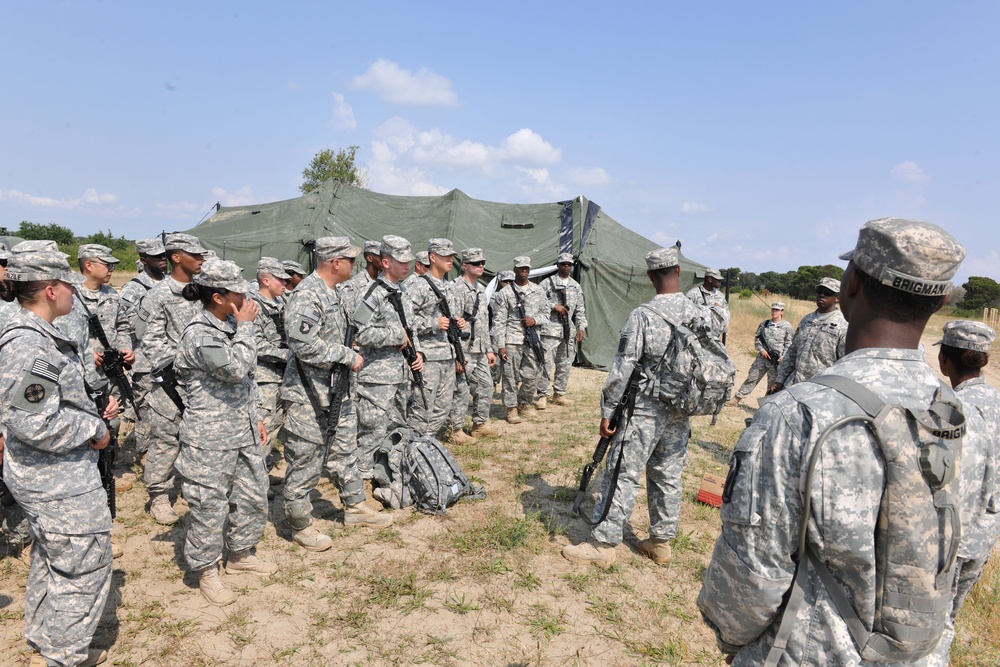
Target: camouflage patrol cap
{"points": [[189, 244], [209, 254], [273, 267], [968, 335], [331, 247], [222, 274], [373, 247], [396, 247], [522, 260], [440, 247], [662, 258], [713, 273], [564, 258], [292, 266], [31, 265], [506, 276], [473, 255], [151, 247], [423, 258], [778, 305], [37, 246], [908, 255], [831, 284], [96, 251]]}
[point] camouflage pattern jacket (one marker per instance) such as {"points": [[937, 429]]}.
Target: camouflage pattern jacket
{"points": [[980, 466], [50, 420], [507, 326], [214, 364], [552, 326], [352, 290], [131, 295], [380, 334], [105, 302], [471, 297], [778, 336], [426, 311], [269, 334], [165, 313], [818, 342], [743, 593], [315, 322], [76, 329]]}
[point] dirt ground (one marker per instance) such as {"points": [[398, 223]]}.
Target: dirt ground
{"points": [[484, 584]]}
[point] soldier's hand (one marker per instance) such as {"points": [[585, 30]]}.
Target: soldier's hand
{"points": [[418, 363], [529, 321], [245, 313], [128, 356], [359, 361], [579, 336], [102, 443], [2, 444], [262, 433], [491, 359], [111, 412], [775, 388], [764, 354], [730, 658], [606, 430], [442, 324], [406, 341], [98, 358], [559, 308], [458, 367], [503, 353], [461, 323]]}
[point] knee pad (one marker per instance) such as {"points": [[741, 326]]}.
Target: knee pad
{"points": [[299, 514]]}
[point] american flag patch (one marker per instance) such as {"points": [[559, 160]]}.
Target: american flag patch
{"points": [[44, 369]]}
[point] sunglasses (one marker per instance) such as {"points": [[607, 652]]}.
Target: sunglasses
{"points": [[823, 292], [476, 263]]}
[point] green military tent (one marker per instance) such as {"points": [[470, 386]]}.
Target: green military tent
{"points": [[610, 264]]}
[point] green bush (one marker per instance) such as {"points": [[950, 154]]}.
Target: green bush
{"points": [[745, 294]]}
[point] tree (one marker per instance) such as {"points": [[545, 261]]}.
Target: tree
{"points": [[980, 292], [328, 164], [33, 231]]}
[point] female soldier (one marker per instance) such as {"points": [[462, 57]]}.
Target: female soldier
{"points": [[221, 460], [50, 462]]}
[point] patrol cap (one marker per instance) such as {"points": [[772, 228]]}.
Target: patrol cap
{"points": [[373, 248], [908, 255], [209, 254], [473, 255], [662, 258], [506, 276], [778, 305], [151, 247], [440, 247], [422, 258], [522, 260], [30, 265], [564, 258], [291, 266], [37, 246], [831, 284], [222, 274], [272, 266], [713, 273], [331, 247], [396, 247], [968, 335], [96, 251], [189, 244]]}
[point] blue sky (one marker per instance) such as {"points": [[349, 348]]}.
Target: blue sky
{"points": [[761, 134]]}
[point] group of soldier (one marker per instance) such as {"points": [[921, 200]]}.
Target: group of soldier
{"points": [[221, 370]]}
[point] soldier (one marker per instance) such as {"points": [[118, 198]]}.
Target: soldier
{"points": [[164, 313], [296, 272], [897, 276], [272, 350], [316, 324], [772, 338], [818, 342], [562, 331], [519, 310], [53, 432], [421, 264], [353, 289], [382, 318], [504, 280], [656, 437], [707, 295], [476, 380]]}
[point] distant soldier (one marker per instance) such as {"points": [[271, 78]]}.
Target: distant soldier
{"points": [[101, 299], [708, 295], [562, 331], [520, 309], [296, 272], [476, 380], [272, 349], [818, 342], [771, 339], [421, 264], [353, 289], [504, 280]]}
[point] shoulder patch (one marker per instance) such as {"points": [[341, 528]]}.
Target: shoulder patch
{"points": [[36, 386], [304, 326]]}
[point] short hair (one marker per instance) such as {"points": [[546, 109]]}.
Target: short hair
{"points": [[23, 291], [659, 274], [897, 305]]}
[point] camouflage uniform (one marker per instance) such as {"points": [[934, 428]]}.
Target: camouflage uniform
{"points": [[131, 297], [16, 525], [520, 370], [558, 352], [778, 336], [272, 354], [352, 290], [818, 342], [51, 470], [477, 379], [409, 281], [706, 298]]}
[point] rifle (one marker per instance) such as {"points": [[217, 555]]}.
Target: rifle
{"points": [[339, 381], [112, 363], [767, 348], [530, 333], [409, 352], [624, 407], [106, 457], [563, 317], [454, 333]]}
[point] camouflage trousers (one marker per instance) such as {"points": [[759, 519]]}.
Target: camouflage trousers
{"points": [[226, 491], [656, 439], [377, 415], [15, 524], [272, 411], [140, 388], [68, 584], [304, 452], [476, 381], [558, 355], [520, 376], [758, 369], [439, 389], [163, 443]]}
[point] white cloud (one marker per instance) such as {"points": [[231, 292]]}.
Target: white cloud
{"points": [[90, 197], [528, 146], [343, 114], [588, 177], [910, 172], [401, 86], [391, 179], [242, 197], [694, 208], [981, 265], [537, 183]]}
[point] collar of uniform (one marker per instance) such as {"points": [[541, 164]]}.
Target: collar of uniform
{"points": [[175, 285], [226, 326], [34, 322], [971, 382], [891, 353]]}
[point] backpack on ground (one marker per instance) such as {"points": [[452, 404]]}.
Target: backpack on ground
{"points": [[695, 375], [916, 536], [418, 470]]}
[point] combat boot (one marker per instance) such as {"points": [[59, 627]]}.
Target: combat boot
{"points": [[733, 402], [312, 540], [213, 589], [247, 561], [161, 511], [655, 549], [459, 437], [484, 431], [524, 408], [560, 399], [542, 403], [359, 514], [513, 416], [95, 656], [590, 552]]}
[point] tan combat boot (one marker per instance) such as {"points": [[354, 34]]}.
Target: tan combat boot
{"points": [[560, 399], [484, 431], [590, 553], [655, 549], [95, 656], [513, 416], [312, 540], [459, 437], [247, 561], [161, 511], [542, 403], [213, 589], [360, 514]]}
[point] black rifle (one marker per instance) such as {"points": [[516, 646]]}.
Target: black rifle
{"points": [[454, 333], [530, 333], [112, 362], [767, 348], [624, 408], [409, 352], [106, 457], [339, 382], [563, 317]]}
